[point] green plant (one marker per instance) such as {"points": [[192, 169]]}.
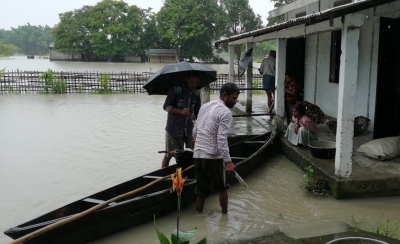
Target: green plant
{"points": [[123, 89], [255, 85], [59, 87], [314, 184], [48, 78], [79, 88], [386, 229], [53, 83], [9, 88], [104, 82]]}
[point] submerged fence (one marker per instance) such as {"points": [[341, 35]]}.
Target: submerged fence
{"points": [[86, 82]]}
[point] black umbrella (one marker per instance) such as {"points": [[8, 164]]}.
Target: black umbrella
{"points": [[174, 74], [244, 62]]}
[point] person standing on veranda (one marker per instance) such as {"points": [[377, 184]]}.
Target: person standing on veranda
{"points": [[211, 151], [267, 69], [182, 103]]}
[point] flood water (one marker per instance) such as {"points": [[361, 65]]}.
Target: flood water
{"points": [[55, 149]]}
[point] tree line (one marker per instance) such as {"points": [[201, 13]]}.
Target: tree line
{"points": [[114, 28]]}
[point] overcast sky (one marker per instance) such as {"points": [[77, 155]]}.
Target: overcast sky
{"points": [[16, 13]]}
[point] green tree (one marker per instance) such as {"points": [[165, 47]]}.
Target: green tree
{"points": [[72, 34], [115, 28], [7, 50], [29, 39], [191, 26], [239, 18], [150, 38]]}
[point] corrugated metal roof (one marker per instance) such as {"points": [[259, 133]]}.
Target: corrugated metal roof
{"points": [[161, 52], [310, 19]]}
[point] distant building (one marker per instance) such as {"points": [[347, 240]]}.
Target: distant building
{"points": [[162, 56], [57, 56]]}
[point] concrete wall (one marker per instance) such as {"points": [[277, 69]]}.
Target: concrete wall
{"points": [[57, 56], [162, 59], [319, 90]]}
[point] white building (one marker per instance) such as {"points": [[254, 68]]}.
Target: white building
{"points": [[347, 52]]}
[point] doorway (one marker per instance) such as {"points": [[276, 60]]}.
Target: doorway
{"points": [[387, 104], [295, 56]]}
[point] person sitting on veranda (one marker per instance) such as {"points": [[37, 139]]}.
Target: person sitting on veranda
{"points": [[301, 129]]}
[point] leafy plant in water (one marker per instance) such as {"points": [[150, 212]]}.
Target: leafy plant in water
{"points": [[104, 82], [48, 78], [314, 184], [255, 85], [53, 83], [177, 236], [123, 89], [386, 229], [79, 88]]}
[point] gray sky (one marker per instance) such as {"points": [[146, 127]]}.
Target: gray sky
{"points": [[16, 13]]}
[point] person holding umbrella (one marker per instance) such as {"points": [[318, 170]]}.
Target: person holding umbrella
{"points": [[211, 151], [182, 103]]}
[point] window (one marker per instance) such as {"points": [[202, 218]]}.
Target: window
{"points": [[336, 42]]}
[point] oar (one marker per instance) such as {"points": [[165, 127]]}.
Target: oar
{"points": [[86, 212]]}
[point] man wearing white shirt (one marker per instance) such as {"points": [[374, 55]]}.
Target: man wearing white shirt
{"points": [[267, 69], [211, 151]]}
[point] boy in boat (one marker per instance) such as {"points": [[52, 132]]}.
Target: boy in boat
{"points": [[211, 151], [182, 103]]}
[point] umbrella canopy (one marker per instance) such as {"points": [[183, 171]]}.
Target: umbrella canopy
{"points": [[313, 112], [244, 62], [174, 74]]}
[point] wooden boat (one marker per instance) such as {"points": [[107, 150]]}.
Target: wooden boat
{"points": [[158, 200]]}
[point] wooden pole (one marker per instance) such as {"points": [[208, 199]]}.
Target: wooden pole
{"points": [[88, 211]]}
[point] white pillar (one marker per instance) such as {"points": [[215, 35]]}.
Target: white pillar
{"points": [[231, 72], [280, 76], [249, 82], [347, 93], [205, 94]]}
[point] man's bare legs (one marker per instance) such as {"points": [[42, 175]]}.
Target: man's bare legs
{"points": [[165, 162], [223, 202], [200, 203], [270, 98]]}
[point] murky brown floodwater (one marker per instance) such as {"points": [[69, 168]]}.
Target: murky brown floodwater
{"points": [[55, 149]]}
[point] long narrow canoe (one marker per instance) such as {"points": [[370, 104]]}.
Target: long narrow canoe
{"points": [[158, 200]]}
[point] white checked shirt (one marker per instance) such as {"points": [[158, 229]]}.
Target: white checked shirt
{"points": [[267, 66], [211, 131]]}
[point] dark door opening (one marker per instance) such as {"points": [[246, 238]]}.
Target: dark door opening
{"points": [[295, 59], [387, 104]]}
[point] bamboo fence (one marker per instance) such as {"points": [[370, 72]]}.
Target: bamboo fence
{"points": [[87, 82]]}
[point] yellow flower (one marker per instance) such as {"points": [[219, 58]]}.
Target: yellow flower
{"points": [[177, 181]]}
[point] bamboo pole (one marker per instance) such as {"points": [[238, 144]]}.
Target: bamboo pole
{"points": [[88, 211]]}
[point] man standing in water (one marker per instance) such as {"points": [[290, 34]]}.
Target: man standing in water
{"points": [[182, 103], [267, 69], [211, 151]]}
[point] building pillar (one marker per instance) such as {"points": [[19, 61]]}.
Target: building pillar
{"points": [[231, 72], [280, 76], [249, 81], [347, 93], [205, 94]]}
